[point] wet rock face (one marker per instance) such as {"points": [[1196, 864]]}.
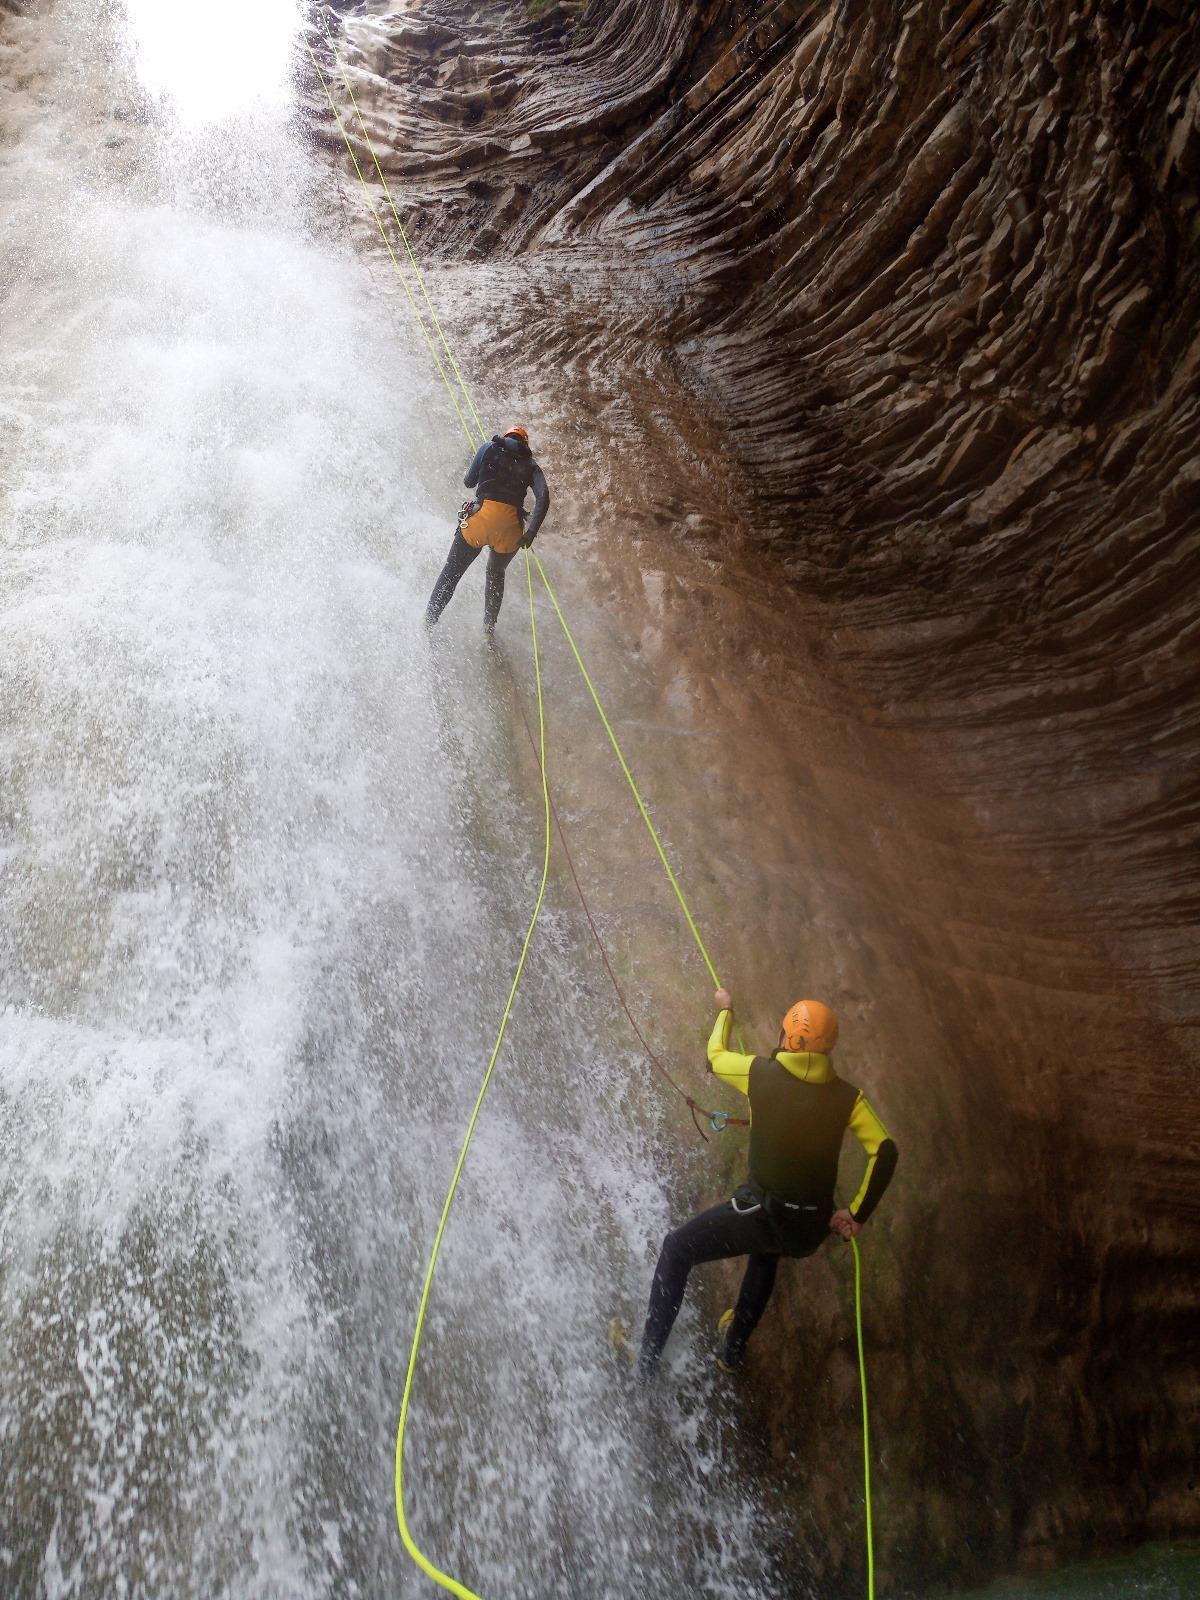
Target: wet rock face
{"points": [[932, 271], [938, 267]]}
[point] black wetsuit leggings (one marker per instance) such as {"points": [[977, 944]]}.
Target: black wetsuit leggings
{"points": [[743, 1226], [460, 558]]}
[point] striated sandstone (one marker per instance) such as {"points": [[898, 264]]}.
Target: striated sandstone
{"points": [[892, 311]]}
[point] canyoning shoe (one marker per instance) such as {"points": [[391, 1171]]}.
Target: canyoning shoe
{"points": [[628, 1359], [618, 1341], [723, 1359]]}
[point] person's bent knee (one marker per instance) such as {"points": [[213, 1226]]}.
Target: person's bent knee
{"points": [[674, 1248]]}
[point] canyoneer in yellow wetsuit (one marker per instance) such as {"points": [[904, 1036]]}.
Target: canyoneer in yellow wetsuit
{"points": [[502, 474], [799, 1111]]}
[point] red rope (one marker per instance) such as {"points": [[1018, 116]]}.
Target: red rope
{"points": [[694, 1106]]}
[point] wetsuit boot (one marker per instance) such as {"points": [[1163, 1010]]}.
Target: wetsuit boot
{"points": [[493, 590], [727, 1360]]}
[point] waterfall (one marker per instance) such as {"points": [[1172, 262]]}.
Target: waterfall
{"points": [[265, 859]]}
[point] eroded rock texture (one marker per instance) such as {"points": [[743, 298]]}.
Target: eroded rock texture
{"points": [[938, 265], [929, 274]]}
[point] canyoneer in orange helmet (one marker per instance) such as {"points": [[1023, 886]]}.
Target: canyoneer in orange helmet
{"points": [[502, 473], [799, 1111]]}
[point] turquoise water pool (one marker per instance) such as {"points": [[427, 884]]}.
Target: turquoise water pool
{"points": [[1157, 1572]]}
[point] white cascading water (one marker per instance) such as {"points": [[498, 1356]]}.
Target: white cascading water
{"points": [[264, 867]]}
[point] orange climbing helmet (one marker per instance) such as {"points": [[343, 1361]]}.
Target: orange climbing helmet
{"points": [[517, 432], [810, 1026]]}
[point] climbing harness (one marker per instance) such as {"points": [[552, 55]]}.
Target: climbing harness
{"points": [[718, 1120]]}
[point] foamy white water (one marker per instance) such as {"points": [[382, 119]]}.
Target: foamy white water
{"points": [[264, 867]]}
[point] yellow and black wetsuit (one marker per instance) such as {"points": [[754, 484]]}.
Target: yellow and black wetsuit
{"points": [[502, 473], [799, 1112]]}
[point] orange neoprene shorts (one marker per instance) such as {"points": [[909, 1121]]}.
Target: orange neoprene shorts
{"points": [[494, 524]]}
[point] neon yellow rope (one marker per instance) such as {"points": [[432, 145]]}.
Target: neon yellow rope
{"points": [[437, 360], [608, 728], [427, 1566], [629, 778], [443, 1579], [862, 1378], [404, 236]]}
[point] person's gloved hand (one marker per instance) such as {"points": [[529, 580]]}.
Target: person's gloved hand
{"points": [[528, 540]]}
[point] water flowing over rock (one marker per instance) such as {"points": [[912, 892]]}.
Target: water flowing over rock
{"points": [[872, 331]]}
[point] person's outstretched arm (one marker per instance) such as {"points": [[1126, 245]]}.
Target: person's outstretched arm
{"points": [[541, 504], [471, 476], [882, 1156], [727, 1064]]}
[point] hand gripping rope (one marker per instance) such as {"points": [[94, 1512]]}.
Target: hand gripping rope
{"points": [[717, 1120]]}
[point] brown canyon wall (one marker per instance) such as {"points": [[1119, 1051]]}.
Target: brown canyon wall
{"points": [[930, 276]]}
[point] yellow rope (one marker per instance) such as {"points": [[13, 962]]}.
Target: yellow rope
{"points": [[632, 782], [862, 1378], [404, 235], [427, 1566], [437, 360], [439, 1577], [608, 728], [641, 805], [443, 1579]]}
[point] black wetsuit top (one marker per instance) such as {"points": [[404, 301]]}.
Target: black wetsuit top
{"points": [[796, 1133], [504, 470], [799, 1111]]}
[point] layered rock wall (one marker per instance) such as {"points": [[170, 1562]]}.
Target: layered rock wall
{"points": [[939, 267], [929, 275]]}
